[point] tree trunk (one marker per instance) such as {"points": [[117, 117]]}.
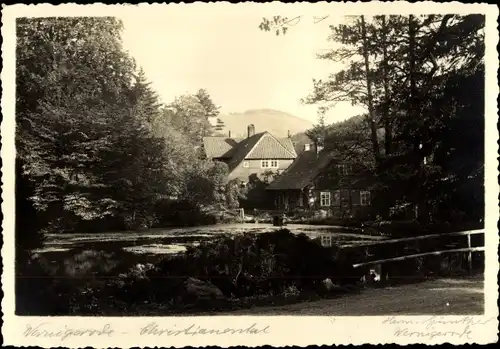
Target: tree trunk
{"points": [[387, 121], [371, 111], [413, 107]]}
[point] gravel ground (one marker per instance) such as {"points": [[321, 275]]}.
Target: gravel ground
{"points": [[463, 296]]}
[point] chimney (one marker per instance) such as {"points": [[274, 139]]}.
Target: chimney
{"points": [[251, 130], [289, 134], [229, 134], [307, 147]]}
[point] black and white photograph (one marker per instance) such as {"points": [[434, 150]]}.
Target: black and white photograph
{"points": [[218, 163]]}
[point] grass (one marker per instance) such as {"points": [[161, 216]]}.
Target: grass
{"points": [[457, 296]]}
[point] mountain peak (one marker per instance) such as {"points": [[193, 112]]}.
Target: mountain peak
{"points": [[276, 122]]}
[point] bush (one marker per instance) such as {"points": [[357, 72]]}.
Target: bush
{"points": [[181, 213], [246, 269], [273, 264], [267, 263], [77, 285]]}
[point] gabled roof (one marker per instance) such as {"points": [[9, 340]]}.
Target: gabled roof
{"points": [[302, 171], [262, 145], [242, 149], [219, 147], [269, 147]]}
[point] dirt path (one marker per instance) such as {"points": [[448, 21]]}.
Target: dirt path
{"points": [[437, 297]]}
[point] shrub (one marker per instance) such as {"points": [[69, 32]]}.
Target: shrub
{"points": [[251, 264], [181, 213], [78, 285], [291, 291]]}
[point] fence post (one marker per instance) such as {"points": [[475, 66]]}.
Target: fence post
{"points": [[469, 254], [242, 215]]}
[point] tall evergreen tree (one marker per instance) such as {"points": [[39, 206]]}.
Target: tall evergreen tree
{"points": [[147, 101], [211, 110]]}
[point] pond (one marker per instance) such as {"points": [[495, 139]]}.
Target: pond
{"points": [[175, 240]]}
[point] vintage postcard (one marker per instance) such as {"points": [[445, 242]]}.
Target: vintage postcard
{"points": [[249, 174]]}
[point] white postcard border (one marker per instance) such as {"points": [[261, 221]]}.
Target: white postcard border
{"points": [[260, 330]]}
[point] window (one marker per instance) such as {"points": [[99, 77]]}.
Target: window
{"points": [[245, 164], [301, 200], [343, 169], [326, 241], [269, 164], [324, 198], [365, 198]]}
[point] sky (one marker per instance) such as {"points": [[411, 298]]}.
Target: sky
{"points": [[182, 50]]}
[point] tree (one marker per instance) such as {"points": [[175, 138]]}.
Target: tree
{"points": [[211, 110], [71, 76], [147, 101], [354, 83], [220, 125], [318, 132], [402, 69], [455, 52], [235, 192], [351, 140], [206, 183], [190, 117], [82, 135]]}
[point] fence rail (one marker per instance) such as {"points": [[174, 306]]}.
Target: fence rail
{"points": [[402, 258], [468, 249], [415, 238]]}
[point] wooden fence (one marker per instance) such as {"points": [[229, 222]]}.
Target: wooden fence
{"points": [[389, 242]]}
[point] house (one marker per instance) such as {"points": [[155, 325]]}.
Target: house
{"points": [[252, 157], [319, 180]]}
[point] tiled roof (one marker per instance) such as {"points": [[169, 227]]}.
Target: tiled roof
{"points": [[271, 148], [219, 147], [288, 144], [302, 171], [259, 146], [242, 149]]}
